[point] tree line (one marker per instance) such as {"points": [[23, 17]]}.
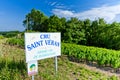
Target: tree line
{"points": [[84, 32]]}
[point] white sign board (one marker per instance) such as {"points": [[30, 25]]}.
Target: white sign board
{"points": [[42, 45], [32, 68]]}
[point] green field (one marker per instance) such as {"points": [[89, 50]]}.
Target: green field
{"points": [[13, 67]]}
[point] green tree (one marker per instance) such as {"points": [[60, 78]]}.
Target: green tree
{"points": [[93, 29], [34, 20], [94, 33], [74, 31], [87, 28], [54, 24], [111, 36]]}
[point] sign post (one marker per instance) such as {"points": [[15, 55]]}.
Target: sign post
{"points": [[56, 65], [40, 46], [32, 77]]}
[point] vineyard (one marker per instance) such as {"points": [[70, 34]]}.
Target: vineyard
{"points": [[13, 62], [103, 57]]}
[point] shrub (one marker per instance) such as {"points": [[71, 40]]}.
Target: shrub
{"points": [[1, 37], [15, 41]]}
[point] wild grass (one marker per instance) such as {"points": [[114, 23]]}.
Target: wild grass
{"points": [[14, 67]]}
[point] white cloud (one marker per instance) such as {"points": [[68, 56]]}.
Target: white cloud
{"points": [[53, 3], [63, 13], [109, 13], [60, 6], [57, 5]]}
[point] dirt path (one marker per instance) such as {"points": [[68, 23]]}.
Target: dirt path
{"points": [[1, 46], [2, 41], [104, 70]]}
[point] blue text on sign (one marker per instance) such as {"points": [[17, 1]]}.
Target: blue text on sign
{"points": [[45, 36]]}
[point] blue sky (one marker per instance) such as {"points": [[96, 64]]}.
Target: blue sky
{"points": [[12, 12]]}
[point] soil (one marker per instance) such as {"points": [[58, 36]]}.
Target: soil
{"points": [[105, 70]]}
